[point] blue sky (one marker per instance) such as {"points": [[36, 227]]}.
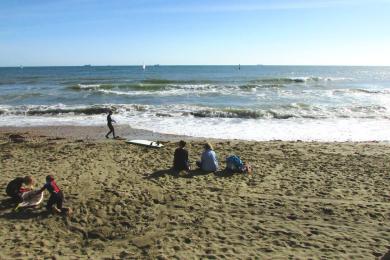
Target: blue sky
{"points": [[119, 32]]}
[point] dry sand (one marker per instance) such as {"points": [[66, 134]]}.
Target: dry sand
{"points": [[303, 200]]}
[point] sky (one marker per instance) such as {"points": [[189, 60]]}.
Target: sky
{"points": [[194, 32]]}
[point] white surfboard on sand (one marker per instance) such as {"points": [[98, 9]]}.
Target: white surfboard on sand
{"points": [[30, 200], [145, 143]]}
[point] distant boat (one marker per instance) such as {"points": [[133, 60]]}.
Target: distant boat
{"points": [[239, 66], [144, 67]]}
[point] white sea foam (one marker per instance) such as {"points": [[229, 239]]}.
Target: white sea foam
{"points": [[229, 128], [182, 90], [264, 130], [88, 86]]}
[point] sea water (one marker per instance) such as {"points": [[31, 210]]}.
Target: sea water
{"points": [[322, 103]]}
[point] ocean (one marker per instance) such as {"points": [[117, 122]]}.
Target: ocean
{"points": [[308, 103]]}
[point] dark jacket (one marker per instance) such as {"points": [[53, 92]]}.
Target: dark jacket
{"points": [[13, 187], [180, 159]]}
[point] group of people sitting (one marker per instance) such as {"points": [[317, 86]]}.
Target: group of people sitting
{"points": [[18, 188], [208, 160]]}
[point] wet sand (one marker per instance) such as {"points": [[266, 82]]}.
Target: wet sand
{"points": [[303, 200]]}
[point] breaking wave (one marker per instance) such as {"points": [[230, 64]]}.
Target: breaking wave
{"points": [[154, 85], [132, 86], [167, 81], [148, 87], [54, 110], [291, 80], [359, 90], [296, 110]]}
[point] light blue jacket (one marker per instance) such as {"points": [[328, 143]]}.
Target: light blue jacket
{"points": [[209, 161]]}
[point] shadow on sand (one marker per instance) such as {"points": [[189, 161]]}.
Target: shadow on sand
{"points": [[8, 204], [23, 213], [188, 174], [27, 213]]}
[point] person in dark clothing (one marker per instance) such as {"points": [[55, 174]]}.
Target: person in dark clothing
{"points": [[16, 187], [180, 159], [56, 195], [109, 124]]}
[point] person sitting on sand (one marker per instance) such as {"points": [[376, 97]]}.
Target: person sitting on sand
{"points": [[56, 195], [109, 124], [208, 162], [235, 164], [180, 158], [18, 186]]}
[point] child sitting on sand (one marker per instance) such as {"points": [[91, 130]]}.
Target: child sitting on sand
{"points": [[18, 186], [180, 158], [56, 195]]}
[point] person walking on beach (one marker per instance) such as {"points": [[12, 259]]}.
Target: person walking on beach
{"points": [[180, 158], [208, 161], [109, 124]]}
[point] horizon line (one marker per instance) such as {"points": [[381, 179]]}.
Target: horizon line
{"points": [[168, 65]]}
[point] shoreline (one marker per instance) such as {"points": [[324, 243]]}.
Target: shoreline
{"points": [[124, 131], [92, 132]]}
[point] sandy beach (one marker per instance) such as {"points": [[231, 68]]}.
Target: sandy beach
{"points": [[304, 200]]}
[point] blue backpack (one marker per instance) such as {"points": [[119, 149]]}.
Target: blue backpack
{"points": [[234, 163]]}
